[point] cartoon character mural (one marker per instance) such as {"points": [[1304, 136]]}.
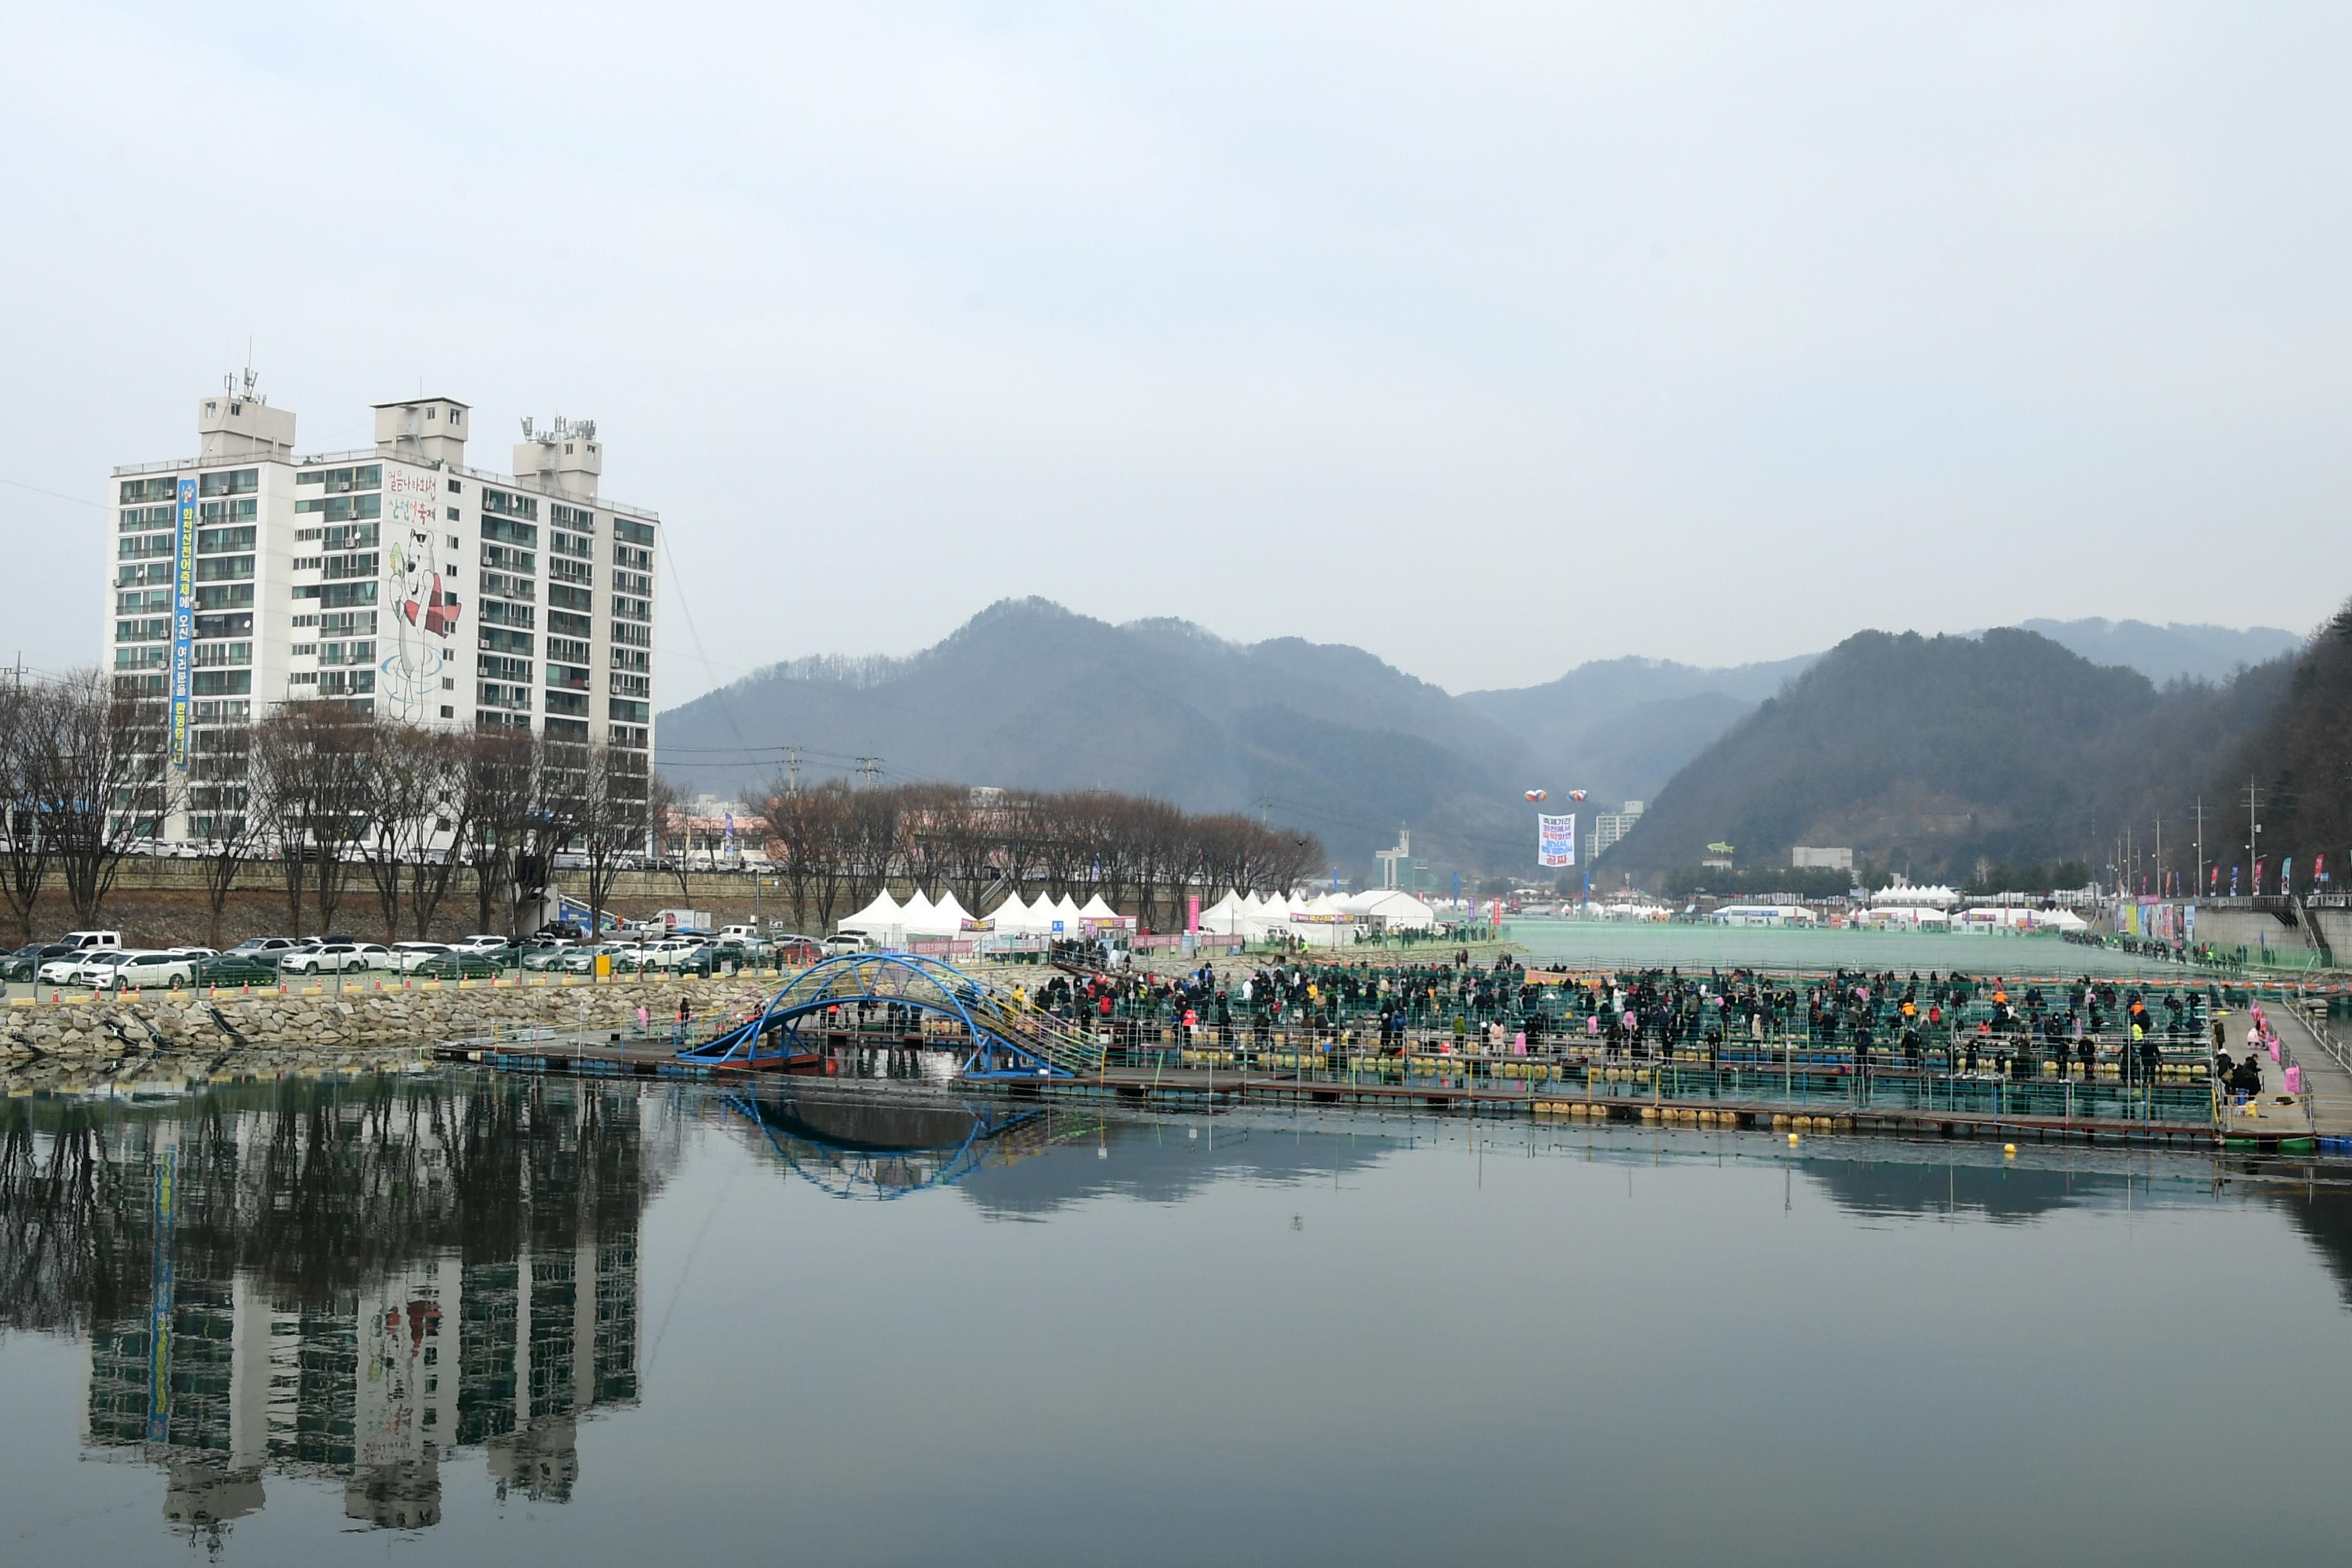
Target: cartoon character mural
{"points": [[423, 613]]}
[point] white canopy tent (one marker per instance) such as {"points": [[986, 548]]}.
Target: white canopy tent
{"points": [[883, 919], [1393, 907]]}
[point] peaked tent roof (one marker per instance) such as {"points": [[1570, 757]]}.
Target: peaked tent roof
{"points": [[882, 913], [1096, 910]]}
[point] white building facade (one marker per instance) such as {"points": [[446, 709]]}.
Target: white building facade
{"points": [[396, 580]]}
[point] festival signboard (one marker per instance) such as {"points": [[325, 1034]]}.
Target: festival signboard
{"points": [[1556, 840]]}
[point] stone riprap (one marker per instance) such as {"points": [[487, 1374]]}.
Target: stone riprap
{"points": [[232, 1029]]}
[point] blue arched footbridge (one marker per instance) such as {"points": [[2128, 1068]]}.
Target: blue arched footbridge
{"points": [[1004, 1037], [870, 1148]]}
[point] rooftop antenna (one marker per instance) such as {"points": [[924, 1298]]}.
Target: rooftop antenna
{"points": [[526, 427]]}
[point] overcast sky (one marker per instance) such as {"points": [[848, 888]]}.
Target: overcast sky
{"points": [[1402, 326]]}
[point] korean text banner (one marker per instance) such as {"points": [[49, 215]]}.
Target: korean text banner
{"points": [[184, 618], [1556, 840]]}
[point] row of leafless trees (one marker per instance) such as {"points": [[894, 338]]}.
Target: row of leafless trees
{"points": [[328, 791], [836, 846]]}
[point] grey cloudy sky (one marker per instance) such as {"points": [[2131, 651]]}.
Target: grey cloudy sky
{"points": [[1402, 325]]}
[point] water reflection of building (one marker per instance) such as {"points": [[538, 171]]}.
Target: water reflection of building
{"points": [[359, 1286]]}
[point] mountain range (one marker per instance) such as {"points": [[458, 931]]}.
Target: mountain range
{"points": [[1323, 737]]}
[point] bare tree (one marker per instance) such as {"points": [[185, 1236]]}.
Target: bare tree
{"points": [[404, 792], [497, 807], [610, 822], [666, 829], [310, 767], [23, 717], [444, 760], [227, 833], [102, 781]]}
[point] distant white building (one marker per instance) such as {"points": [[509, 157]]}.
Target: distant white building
{"points": [[1609, 827], [1810, 857]]}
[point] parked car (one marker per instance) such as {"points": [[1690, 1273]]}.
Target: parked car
{"points": [[23, 965], [96, 969], [481, 942], [798, 951], [134, 971], [336, 958], [91, 940], [847, 942], [457, 963], [409, 956], [257, 946], [234, 968], [63, 970], [559, 931], [546, 955]]}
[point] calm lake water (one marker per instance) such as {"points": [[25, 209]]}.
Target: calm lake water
{"points": [[1644, 944], [474, 1320]]}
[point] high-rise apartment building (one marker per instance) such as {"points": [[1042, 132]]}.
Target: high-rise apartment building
{"points": [[1609, 827], [394, 579]]}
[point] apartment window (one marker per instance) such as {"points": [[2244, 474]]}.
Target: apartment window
{"points": [[626, 685], [344, 595], [349, 623], [222, 683], [135, 519], [225, 596], [494, 694], [507, 587], [635, 583], [448, 712], [635, 532], [157, 629], [510, 532], [222, 655], [574, 730], [346, 682], [456, 489], [222, 541], [164, 488], [240, 625], [627, 735], [576, 517], [635, 636], [451, 513], [500, 503], [635, 559], [620, 708], [341, 482], [143, 547], [562, 570], [301, 621], [303, 677], [570, 702], [498, 639], [133, 576], [491, 667], [302, 649], [626, 609], [309, 562], [343, 509], [567, 625], [572, 544], [307, 535], [223, 568], [144, 601], [570, 598], [235, 482], [226, 510], [567, 649], [632, 659], [342, 567], [351, 536], [501, 615], [501, 558]]}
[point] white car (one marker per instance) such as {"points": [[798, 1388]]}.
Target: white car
{"points": [[410, 956], [97, 969], [67, 971], [337, 958], [481, 942], [137, 970]]}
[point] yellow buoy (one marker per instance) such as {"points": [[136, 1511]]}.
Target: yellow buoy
{"points": [[1792, 1138], [2010, 1149]]}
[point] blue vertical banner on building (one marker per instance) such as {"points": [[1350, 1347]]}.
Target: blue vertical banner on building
{"points": [[162, 1300], [184, 619]]}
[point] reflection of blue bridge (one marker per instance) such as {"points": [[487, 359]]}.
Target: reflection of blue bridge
{"points": [[867, 1149], [1005, 1037]]}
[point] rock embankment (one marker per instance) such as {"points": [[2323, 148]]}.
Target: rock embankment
{"points": [[229, 1029]]}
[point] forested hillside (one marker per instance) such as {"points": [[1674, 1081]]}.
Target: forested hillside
{"points": [[1931, 754]]}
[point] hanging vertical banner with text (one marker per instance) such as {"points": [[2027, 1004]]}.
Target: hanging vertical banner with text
{"points": [[1556, 840], [184, 618]]}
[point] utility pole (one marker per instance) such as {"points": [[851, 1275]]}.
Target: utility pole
{"points": [[869, 769], [2253, 828], [792, 769], [2199, 877], [2159, 857], [1264, 810]]}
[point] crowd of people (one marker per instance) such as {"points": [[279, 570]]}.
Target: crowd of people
{"points": [[1940, 1022]]}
